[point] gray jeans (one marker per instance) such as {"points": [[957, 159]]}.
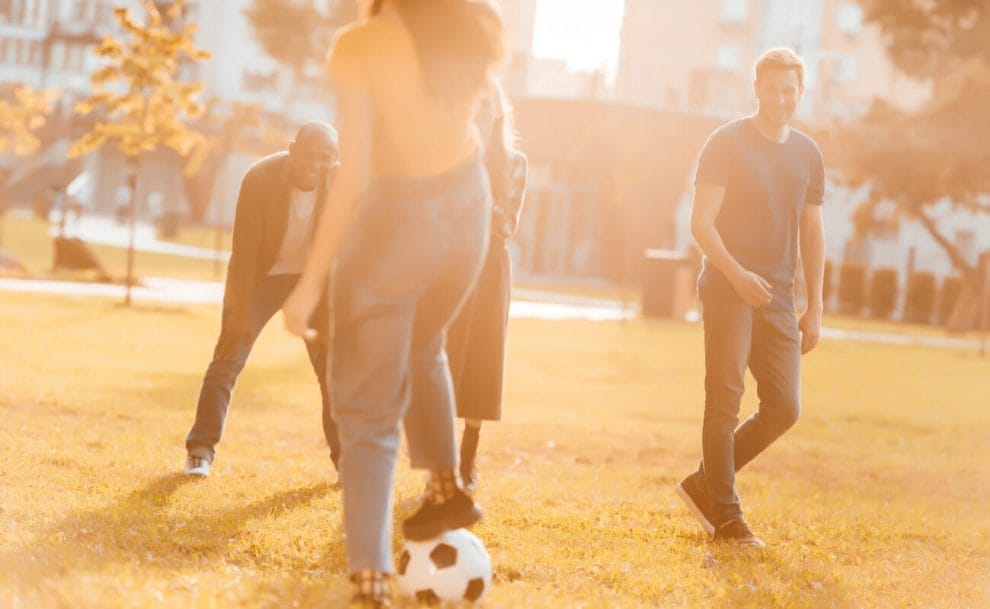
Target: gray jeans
{"points": [[413, 255], [231, 354], [766, 340]]}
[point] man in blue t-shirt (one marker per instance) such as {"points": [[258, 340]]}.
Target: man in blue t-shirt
{"points": [[758, 199]]}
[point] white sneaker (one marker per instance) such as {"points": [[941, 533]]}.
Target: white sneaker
{"points": [[197, 466]]}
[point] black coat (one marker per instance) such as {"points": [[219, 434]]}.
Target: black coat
{"points": [[259, 227], [476, 338]]}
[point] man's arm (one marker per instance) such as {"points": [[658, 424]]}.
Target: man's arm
{"points": [[245, 250], [812, 243], [708, 198], [356, 128]]}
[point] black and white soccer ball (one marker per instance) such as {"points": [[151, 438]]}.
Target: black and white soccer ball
{"points": [[453, 567]]}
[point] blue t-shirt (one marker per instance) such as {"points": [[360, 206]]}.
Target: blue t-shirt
{"points": [[767, 184]]}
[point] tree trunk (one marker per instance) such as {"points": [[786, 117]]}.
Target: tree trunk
{"points": [[966, 313], [955, 256], [132, 228]]}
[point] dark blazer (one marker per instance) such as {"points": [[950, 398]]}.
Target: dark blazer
{"points": [[259, 227]]}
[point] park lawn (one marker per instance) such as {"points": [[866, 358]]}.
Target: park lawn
{"points": [[28, 240], [201, 235], [877, 498]]}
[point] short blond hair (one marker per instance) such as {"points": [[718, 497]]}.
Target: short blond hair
{"points": [[780, 59]]}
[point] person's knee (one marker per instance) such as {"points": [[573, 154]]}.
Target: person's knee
{"points": [[722, 404], [787, 413], [224, 370], [361, 423]]}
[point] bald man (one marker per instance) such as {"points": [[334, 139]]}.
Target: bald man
{"points": [[277, 208]]}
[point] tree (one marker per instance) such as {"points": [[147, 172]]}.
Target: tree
{"points": [[19, 119], [296, 33], [141, 103], [915, 161]]}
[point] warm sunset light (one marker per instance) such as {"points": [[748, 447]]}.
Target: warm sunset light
{"points": [[585, 33], [513, 304]]}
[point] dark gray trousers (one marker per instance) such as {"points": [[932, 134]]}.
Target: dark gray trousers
{"points": [[768, 342]]}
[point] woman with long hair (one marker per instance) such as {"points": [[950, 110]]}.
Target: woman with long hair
{"points": [[406, 229], [476, 339]]}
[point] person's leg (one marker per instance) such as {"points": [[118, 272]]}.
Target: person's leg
{"points": [[479, 392], [776, 365], [229, 357], [319, 358], [469, 451], [728, 333], [371, 388], [462, 225]]}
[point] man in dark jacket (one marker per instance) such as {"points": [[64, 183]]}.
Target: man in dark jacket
{"points": [[278, 206]]}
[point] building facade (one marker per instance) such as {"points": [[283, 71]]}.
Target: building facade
{"points": [[699, 56]]}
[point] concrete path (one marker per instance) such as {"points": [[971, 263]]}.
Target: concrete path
{"points": [[526, 304]]}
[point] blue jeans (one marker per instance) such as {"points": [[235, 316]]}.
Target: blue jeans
{"points": [[411, 258], [769, 343], [229, 358]]}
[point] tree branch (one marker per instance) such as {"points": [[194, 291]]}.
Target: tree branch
{"points": [[950, 248]]}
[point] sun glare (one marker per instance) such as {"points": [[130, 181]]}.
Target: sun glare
{"points": [[584, 33]]}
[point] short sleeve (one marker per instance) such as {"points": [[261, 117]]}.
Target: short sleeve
{"points": [[816, 179], [715, 160], [344, 61]]}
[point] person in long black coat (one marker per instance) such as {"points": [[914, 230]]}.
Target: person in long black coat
{"points": [[476, 339]]}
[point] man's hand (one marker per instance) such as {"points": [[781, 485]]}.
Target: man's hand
{"points": [[298, 309], [753, 289], [811, 329]]}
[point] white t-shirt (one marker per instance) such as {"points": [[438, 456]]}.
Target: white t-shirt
{"points": [[298, 230]]}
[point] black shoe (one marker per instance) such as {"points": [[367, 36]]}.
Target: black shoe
{"points": [[736, 531], [433, 519], [694, 493]]}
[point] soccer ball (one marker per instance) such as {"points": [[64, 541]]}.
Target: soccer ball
{"points": [[452, 567]]}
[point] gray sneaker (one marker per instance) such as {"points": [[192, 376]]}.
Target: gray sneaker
{"points": [[197, 466]]}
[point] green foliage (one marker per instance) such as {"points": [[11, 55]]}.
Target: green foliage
{"points": [[153, 107], [22, 116], [297, 33], [914, 160]]}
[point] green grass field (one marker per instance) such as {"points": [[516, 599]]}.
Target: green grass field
{"points": [[877, 498]]}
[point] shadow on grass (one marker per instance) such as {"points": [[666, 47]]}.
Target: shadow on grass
{"points": [[140, 530]]}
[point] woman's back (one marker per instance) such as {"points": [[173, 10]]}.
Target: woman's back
{"points": [[417, 133]]}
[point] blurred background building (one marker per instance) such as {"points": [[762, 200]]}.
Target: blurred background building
{"points": [[612, 145]]}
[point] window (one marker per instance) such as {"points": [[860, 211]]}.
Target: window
{"points": [[727, 58], [24, 52], [850, 19], [58, 57], [76, 56], [734, 11]]}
